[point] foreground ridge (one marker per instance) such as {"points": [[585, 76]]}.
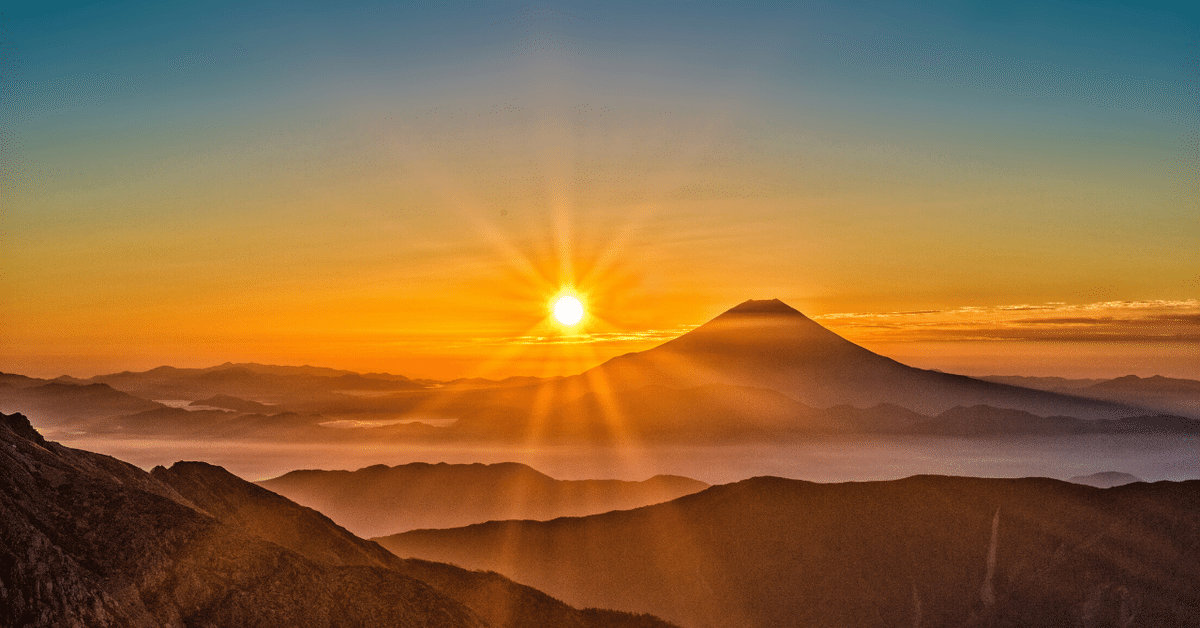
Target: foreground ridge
{"points": [[88, 540]]}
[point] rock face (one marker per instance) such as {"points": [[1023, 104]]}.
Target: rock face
{"points": [[88, 540], [91, 541], [926, 551]]}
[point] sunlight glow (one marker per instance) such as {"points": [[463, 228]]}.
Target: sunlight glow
{"points": [[568, 310]]}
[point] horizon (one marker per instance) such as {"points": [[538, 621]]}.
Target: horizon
{"points": [[1158, 369]]}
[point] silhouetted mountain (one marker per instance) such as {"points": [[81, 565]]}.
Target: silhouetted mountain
{"points": [[1042, 383], [272, 517], [381, 500], [986, 421], [1150, 424], [61, 404], [989, 421], [1106, 479], [1164, 394], [708, 413], [88, 540], [767, 344], [1155, 384], [227, 402], [480, 382], [1157, 393], [215, 424], [256, 382], [14, 380], [924, 551]]}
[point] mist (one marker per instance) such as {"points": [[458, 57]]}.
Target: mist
{"points": [[832, 459]]}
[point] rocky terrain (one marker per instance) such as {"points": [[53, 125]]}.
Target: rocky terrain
{"points": [[88, 540]]}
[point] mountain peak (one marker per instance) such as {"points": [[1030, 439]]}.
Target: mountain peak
{"points": [[20, 426], [764, 306]]}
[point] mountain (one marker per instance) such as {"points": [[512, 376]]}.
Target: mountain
{"points": [[986, 421], [1105, 479], [211, 424], [226, 402], [1163, 394], [1042, 383], [768, 344], [381, 500], [1153, 384], [88, 540], [1157, 393], [309, 533], [923, 551], [62, 404], [256, 382]]}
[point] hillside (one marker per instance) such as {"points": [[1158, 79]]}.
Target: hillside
{"points": [[89, 540], [383, 500], [927, 551]]}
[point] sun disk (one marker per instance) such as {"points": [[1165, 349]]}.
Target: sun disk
{"points": [[568, 310]]}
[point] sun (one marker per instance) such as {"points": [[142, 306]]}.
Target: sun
{"points": [[567, 310]]}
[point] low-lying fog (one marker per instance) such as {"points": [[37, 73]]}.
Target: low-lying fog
{"points": [[1158, 457]]}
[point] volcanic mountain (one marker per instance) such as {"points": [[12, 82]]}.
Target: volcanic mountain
{"points": [[768, 344]]}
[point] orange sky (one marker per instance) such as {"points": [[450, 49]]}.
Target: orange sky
{"points": [[409, 203]]}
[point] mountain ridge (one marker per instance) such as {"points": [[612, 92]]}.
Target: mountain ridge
{"points": [[770, 551], [87, 539], [378, 500]]}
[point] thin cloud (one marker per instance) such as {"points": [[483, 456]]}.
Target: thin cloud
{"points": [[649, 335], [1162, 321]]}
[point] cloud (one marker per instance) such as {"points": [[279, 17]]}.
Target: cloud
{"points": [[1162, 321], [649, 335]]}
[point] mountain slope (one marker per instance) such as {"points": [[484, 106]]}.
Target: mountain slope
{"points": [[383, 500], [927, 551], [272, 517], [87, 540], [768, 344], [64, 404]]}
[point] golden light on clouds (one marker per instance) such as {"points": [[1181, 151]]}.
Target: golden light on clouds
{"points": [[1099, 339]]}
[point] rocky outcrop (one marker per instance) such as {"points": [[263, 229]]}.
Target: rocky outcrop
{"points": [[86, 540]]}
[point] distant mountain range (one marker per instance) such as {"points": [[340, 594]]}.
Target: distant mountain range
{"points": [[1106, 479], [87, 540], [1157, 393], [382, 500], [760, 371], [924, 551]]}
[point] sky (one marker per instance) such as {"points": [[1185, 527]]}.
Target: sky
{"points": [[985, 188]]}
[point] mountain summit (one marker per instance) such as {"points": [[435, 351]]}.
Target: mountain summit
{"points": [[769, 344], [764, 306]]}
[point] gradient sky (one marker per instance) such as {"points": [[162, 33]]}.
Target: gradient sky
{"points": [[998, 188]]}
